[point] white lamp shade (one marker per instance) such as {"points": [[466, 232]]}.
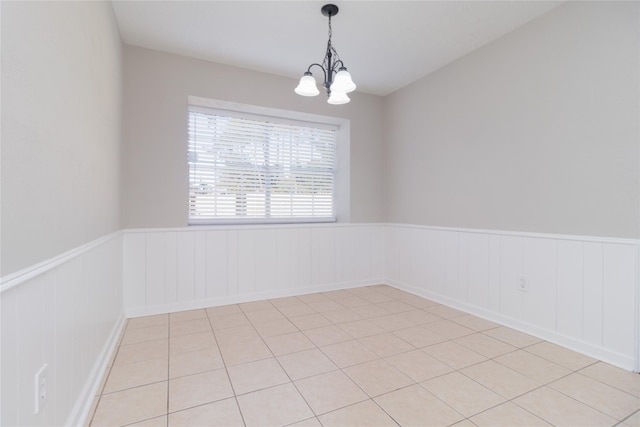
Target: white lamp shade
{"points": [[307, 86], [338, 98], [343, 82]]}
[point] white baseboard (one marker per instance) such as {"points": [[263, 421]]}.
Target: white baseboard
{"points": [[82, 407], [236, 299], [588, 349]]}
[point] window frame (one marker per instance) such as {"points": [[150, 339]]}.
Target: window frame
{"points": [[341, 160]]}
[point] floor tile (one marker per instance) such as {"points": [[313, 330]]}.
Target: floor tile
{"points": [[192, 342], [224, 413], [352, 301], [132, 405], [418, 302], [327, 335], [275, 406], [229, 321], [386, 344], [341, 360], [309, 422], [394, 307], [473, 322], [449, 329], [195, 362], [289, 343], [500, 379], [419, 336], [136, 374], [330, 391], [189, 327], [560, 410], [146, 321], [324, 306], [342, 316], [158, 349], [595, 394], [236, 353], [275, 327], [361, 328], [419, 317], [181, 316], [415, 406], [194, 390], [376, 298], [262, 316], [148, 333], [296, 310], [256, 376], [445, 312], [306, 364], [309, 298], [486, 346], [454, 354], [285, 302], [223, 311], [508, 415], [615, 377], [513, 337], [392, 322], [248, 307], [348, 353], [462, 393], [418, 365], [538, 369], [377, 377], [365, 413], [310, 321], [633, 420], [560, 355], [336, 295], [236, 334], [153, 422], [370, 310]]}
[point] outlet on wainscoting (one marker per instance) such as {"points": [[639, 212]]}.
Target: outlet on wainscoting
{"points": [[41, 387], [523, 283]]}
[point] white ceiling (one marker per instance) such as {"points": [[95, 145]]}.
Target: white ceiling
{"points": [[385, 44]]}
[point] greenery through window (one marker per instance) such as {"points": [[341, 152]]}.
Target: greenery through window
{"points": [[250, 168]]}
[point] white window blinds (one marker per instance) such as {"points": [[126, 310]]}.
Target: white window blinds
{"points": [[250, 168]]}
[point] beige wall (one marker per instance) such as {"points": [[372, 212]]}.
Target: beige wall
{"points": [[156, 88], [60, 154], [537, 131]]}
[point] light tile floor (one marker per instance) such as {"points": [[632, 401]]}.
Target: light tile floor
{"points": [[373, 356]]}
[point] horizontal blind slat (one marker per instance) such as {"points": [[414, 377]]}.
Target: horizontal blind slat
{"points": [[256, 167]]}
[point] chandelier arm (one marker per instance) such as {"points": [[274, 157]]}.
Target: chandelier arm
{"points": [[335, 65], [321, 67]]}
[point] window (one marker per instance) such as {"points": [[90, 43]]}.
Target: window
{"points": [[252, 168]]}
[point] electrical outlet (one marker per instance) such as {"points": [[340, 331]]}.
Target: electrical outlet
{"points": [[41, 387], [523, 284]]}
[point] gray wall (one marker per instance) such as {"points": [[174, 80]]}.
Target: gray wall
{"points": [[156, 87], [60, 155], [537, 131]]}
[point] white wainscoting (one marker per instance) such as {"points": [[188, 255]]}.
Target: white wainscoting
{"points": [[185, 268], [65, 312], [583, 291]]}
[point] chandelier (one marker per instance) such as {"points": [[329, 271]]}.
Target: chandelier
{"points": [[337, 80]]}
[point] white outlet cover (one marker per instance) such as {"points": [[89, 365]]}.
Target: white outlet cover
{"points": [[41, 387]]}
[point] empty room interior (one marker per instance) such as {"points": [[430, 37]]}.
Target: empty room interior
{"points": [[299, 213]]}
